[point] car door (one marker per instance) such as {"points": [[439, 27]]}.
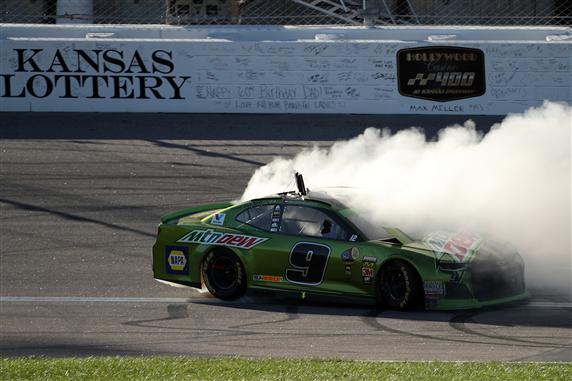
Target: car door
{"points": [[298, 253], [320, 259]]}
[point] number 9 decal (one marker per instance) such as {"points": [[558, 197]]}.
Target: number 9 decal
{"points": [[308, 263]]}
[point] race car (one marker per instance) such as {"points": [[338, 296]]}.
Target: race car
{"points": [[311, 245]]}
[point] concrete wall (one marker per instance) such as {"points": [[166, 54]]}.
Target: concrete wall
{"points": [[267, 69]]}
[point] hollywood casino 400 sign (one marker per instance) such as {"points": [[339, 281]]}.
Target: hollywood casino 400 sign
{"points": [[441, 73]]}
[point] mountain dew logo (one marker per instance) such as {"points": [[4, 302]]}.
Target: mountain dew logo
{"points": [[460, 246], [213, 237]]}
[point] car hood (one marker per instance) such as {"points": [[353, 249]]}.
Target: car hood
{"points": [[456, 247], [465, 247]]}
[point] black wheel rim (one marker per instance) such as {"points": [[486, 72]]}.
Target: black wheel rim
{"points": [[224, 273], [395, 284]]}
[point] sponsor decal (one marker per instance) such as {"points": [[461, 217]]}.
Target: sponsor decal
{"points": [[353, 238], [218, 219], [268, 278], [432, 300], [435, 287], [370, 259], [441, 73], [92, 73], [276, 212], [348, 270], [355, 253], [213, 237], [350, 255], [177, 259], [434, 292], [367, 272]]}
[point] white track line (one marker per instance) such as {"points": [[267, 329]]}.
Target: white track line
{"points": [[104, 299]]}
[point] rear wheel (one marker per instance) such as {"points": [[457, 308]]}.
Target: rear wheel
{"points": [[399, 286], [224, 275]]}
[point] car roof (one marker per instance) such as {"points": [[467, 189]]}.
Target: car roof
{"points": [[312, 199]]}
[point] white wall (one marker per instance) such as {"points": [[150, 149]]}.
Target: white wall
{"points": [[266, 69]]}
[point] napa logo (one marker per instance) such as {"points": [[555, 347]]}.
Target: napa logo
{"points": [[177, 258]]}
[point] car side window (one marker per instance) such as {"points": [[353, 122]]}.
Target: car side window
{"points": [[301, 220], [259, 216]]}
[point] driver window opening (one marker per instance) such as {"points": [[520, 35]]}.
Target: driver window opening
{"points": [[299, 220]]}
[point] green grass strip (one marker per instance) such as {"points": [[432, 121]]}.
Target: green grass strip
{"points": [[185, 368]]}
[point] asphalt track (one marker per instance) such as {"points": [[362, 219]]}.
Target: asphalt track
{"points": [[80, 198]]}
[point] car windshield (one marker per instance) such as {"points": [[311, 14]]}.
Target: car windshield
{"points": [[372, 231]]}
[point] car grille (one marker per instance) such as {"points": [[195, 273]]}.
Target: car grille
{"points": [[491, 281]]}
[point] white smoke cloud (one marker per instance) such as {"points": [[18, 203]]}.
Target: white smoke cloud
{"points": [[511, 184]]}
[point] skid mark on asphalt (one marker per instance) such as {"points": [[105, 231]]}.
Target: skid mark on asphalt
{"points": [[292, 312], [175, 311], [203, 152], [127, 299], [458, 323], [73, 217], [179, 311], [372, 320]]}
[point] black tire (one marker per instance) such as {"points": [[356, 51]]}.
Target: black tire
{"points": [[399, 286], [224, 275]]}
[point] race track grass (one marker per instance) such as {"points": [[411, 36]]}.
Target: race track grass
{"points": [[184, 368]]}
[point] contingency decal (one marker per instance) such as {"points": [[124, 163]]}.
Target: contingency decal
{"points": [[213, 237], [348, 270], [460, 246], [367, 272], [350, 255], [276, 213], [177, 259], [268, 278], [434, 287], [218, 219], [434, 291]]}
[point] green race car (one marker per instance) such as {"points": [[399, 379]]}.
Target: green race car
{"points": [[313, 246]]}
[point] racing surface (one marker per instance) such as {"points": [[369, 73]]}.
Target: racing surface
{"points": [[80, 199]]}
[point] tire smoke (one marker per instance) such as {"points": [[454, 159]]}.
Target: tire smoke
{"points": [[512, 184]]}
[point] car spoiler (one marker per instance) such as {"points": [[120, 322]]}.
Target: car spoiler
{"points": [[194, 210]]}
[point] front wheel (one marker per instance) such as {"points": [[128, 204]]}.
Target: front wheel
{"points": [[399, 286], [224, 275]]}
